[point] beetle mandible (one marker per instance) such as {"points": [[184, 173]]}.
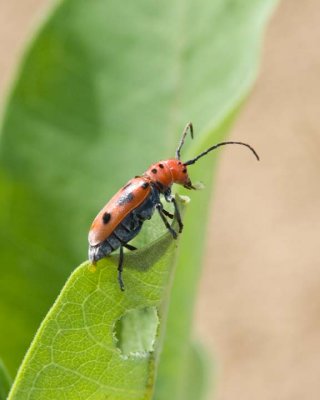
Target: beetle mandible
{"points": [[122, 217]]}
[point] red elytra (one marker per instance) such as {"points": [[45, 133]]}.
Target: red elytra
{"points": [[121, 219]]}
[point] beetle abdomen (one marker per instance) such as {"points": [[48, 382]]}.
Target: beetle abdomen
{"points": [[113, 242], [127, 229]]}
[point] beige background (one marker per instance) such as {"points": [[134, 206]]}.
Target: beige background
{"points": [[259, 305]]}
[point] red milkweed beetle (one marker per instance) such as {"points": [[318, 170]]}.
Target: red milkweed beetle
{"points": [[122, 217]]}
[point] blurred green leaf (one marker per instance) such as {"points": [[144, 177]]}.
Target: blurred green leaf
{"points": [[5, 381], [98, 342], [196, 373], [103, 91]]}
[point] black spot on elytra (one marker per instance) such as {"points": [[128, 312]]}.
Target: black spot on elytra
{"points": [[161, 166], [125, 199], [106, 217], [154, 170], [179, 162], [145, 185], [184, 170]]}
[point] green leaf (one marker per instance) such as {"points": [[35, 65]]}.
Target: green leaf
{"points": [[5, 381], [103, 91], [98, 342]]}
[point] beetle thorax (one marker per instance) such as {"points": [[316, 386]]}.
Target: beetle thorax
{"points": [[165, 173]]}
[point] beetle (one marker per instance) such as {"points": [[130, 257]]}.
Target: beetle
{"points": [[121, 219]]}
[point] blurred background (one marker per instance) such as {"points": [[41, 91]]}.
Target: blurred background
{"points": [[259, 300]]}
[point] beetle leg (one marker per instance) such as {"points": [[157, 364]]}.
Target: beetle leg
{"points": [[129, 247], [168, 196], [178, 215], [168, 226], [166, 213], [120, 269]]}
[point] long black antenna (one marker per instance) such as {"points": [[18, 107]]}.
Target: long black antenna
{"points": [[218, 145], [184, 134]]}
